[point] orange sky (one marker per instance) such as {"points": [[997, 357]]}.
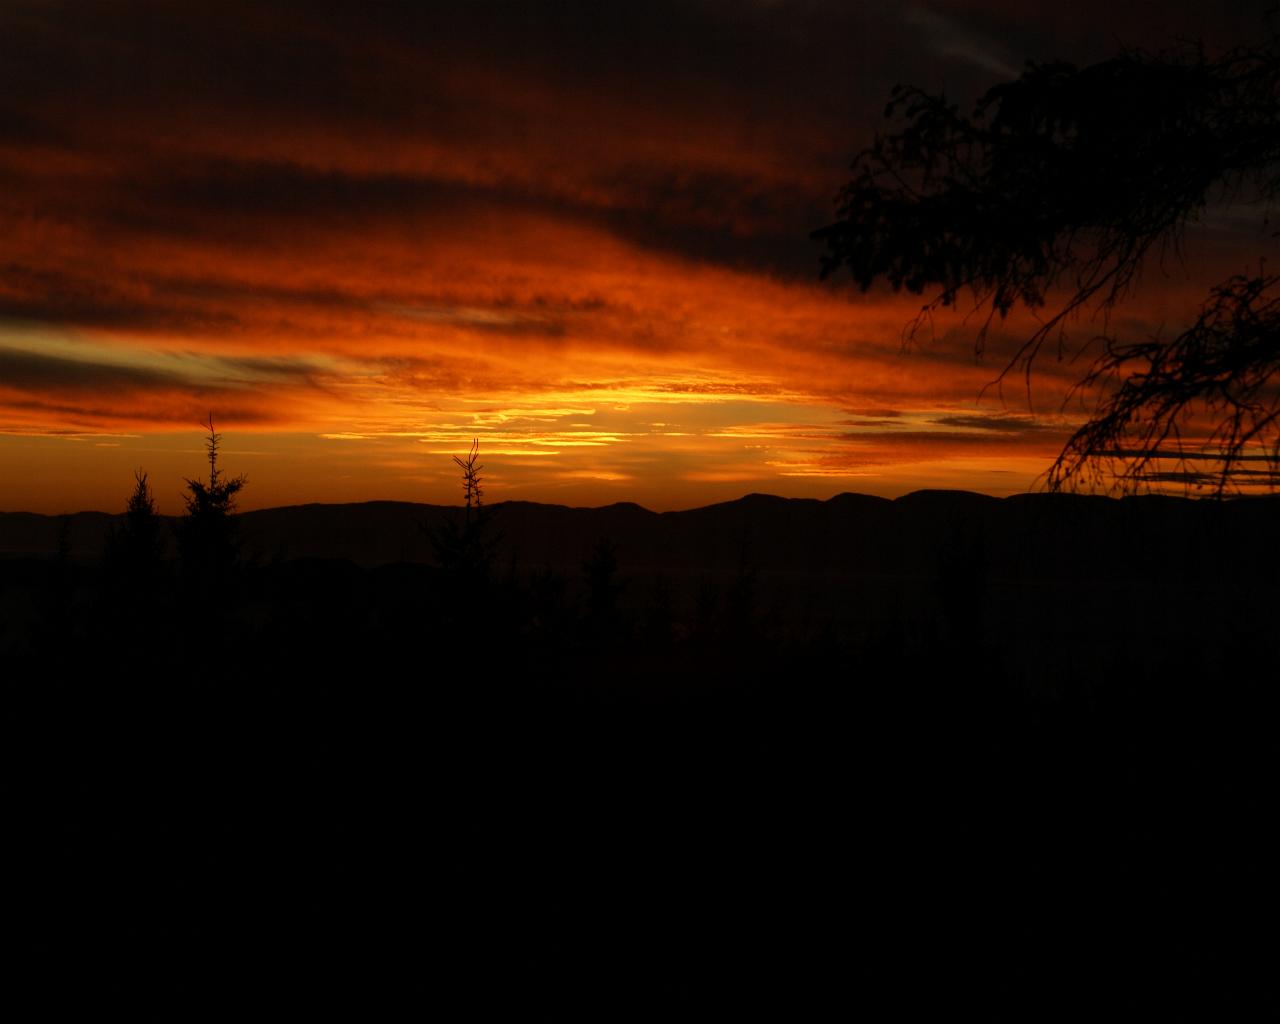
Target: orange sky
{"points": [[361, 241]]}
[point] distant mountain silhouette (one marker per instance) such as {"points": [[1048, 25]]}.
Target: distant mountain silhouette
{"points": [[849, 534], [1087, 578]]}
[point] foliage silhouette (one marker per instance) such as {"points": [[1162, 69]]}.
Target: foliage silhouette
{"points": [[209, 544], [1067, 181]]}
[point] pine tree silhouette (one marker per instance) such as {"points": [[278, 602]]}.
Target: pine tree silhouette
{"points": [[210, 549], [465, 548], [134, 555]]}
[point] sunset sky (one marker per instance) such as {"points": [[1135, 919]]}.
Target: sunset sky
{"points": [[360, 235]]}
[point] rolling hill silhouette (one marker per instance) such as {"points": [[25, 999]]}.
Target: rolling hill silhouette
{"points": [[846, 534], [1024, 574], [753, 754]]}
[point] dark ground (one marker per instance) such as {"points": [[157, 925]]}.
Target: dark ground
{"points": [[1010, 759]]}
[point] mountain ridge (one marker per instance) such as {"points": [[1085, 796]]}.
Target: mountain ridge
{"points": [[846, 532]]}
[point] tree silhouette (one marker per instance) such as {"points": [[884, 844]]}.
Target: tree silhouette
{"points": [[600, 575], [465, 549], [133, 549], [471, 476], [1065, 182], [209, 545]]}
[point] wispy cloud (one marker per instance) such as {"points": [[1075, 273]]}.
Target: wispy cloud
{"points": [[948, 37]]}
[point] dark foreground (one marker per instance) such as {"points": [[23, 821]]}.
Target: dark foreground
{"points": [[308, 785]]}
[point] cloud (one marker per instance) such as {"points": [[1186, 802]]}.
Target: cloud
{"points": [[57, 393], [385, 221], [1001, 423], [30, 371], [950, 38]]}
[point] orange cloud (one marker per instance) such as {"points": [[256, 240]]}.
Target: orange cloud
{"points": [[361, 245]]}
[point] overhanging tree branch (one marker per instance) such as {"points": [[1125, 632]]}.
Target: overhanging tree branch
{"points": [[1225, 367], [1067, 182]]}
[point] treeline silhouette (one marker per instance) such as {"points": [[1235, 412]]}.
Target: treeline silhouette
{"points": [[307, 783]]}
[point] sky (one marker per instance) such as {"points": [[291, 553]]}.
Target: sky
{"points": [[360, 235]]}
